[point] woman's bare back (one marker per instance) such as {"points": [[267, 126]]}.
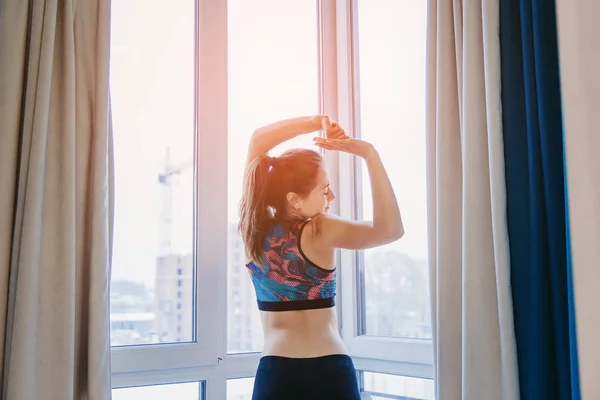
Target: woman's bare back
{"points": [[304, 333]]}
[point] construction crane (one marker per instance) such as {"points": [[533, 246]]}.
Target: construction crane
{"points": [[166, 214]]}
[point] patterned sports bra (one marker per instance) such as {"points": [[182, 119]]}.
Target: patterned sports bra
{"points": [[290, 280]]}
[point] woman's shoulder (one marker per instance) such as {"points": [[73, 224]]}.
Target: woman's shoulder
{"points": [[319, 222], [323, 226], [313, 227]]}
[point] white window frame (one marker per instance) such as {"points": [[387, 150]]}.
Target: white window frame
{"points": [[399, 356], [201, 359], [206, 360]]}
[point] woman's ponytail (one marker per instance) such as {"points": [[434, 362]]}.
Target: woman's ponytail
{"points": [[255, 213]]}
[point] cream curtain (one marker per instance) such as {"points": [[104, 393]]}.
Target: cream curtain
{"points": [[475, 350], [578, 38], [55, 199]]}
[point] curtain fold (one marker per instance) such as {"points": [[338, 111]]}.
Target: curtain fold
{"points": [[56, 199], [475, 354], [537, 213], [578, 38]]}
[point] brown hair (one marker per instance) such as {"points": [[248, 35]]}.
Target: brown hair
{"points": [[264, 199]]}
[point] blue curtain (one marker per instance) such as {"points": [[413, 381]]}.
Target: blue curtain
{"points": [[536, 201]]}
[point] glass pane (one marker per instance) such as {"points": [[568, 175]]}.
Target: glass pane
{"points": [[240, 389], [152, 86], [179, 391], [273, 75], [392, 115], [384, 386]]}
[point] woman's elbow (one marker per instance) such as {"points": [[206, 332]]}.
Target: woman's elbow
{"points": [[396, 233], [257, 142], [256, 137]]}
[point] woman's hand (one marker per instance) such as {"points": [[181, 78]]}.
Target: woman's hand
{"points": [[331, 129], [347, 145]]}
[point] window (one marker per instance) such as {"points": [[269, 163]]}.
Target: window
{"points": [[179, 391], [391, 50], [384, 386], [153, 119], [190, 81], [386, 313], [240, 389], [273, 72], [165, 284]]}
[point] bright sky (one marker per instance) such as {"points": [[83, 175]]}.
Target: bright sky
{"points": [[272, 75]]}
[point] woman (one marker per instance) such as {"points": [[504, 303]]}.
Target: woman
{"points": [[290, 240]]}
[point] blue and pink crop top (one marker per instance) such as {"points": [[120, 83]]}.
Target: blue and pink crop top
{"points": [[290, 281]]}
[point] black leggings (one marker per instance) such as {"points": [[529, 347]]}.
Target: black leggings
{"points": [[328, 377]]}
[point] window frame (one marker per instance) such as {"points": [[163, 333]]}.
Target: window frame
{"points": [[205, 359], [399, 356], [210, 238], [199, 360]]}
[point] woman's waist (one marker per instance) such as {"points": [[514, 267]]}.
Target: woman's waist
{"points": [[308, 348], [303, 342], [299, 322], [298, 332]]}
